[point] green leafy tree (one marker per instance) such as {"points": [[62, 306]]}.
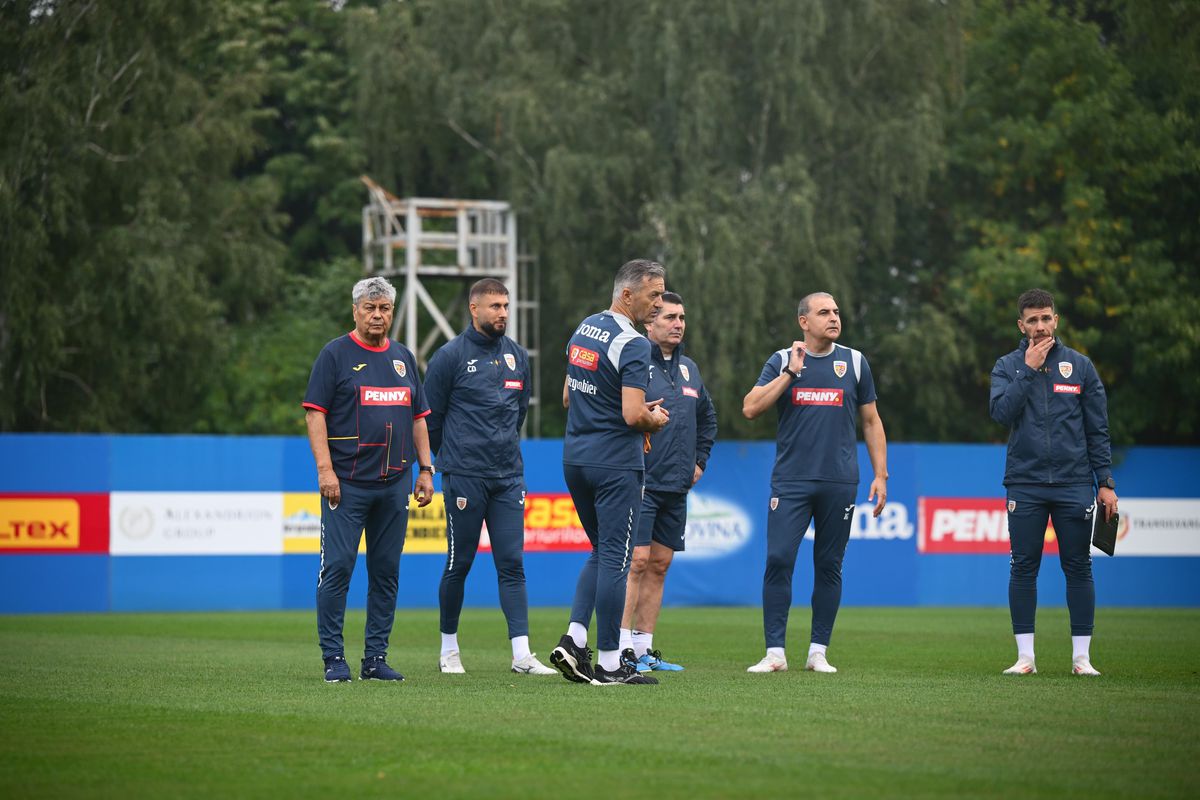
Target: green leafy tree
{"points": [[129, 247]]}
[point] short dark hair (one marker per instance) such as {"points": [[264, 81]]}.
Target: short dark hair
{"points": [[1034, 298], [487, 286], [671, 297]]}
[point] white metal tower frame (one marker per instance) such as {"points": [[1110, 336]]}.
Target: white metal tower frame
{"points": [[484, 243]]}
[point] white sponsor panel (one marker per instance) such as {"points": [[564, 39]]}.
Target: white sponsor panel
{"points": [[1158, 527], [892, 523], [196, 523], [715, 527]]}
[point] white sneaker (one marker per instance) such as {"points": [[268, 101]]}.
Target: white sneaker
{"points": [[770, 663], [1024, 666], [451, 664], [1082, 665], [529, 665], [817, 663]]}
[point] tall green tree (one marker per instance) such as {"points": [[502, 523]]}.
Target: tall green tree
{"points": [[1068, 176], [129, 246]]}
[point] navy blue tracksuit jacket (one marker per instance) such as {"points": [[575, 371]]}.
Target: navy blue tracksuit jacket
{"points": [[1057, 416], [478, 389], [687, 440]]}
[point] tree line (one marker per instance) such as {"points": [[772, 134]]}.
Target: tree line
{"points": [[179, 195]]}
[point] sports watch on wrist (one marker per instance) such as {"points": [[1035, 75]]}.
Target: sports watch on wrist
{"points": [[428, 469], [1108, 483]]}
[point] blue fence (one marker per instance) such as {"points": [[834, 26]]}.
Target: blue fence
{"points": [[221, 542]]}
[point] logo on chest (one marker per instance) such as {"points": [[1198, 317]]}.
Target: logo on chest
{"points": [[582, 357], [690, 392], [839, 368], [384, 396], [816, 397], [1067, 388], [683, 370], [401, 370], [1065, 368], [511, 361], [511, 384]]}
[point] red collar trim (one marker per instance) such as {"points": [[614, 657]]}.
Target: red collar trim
{"points": [[383, 348]]}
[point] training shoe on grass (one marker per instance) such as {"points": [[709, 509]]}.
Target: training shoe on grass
{"points": [[770, 663], [573, 661], [626, 672], [1024, 666], [451, 663], [817, 663], [337, 670], [375, 668], [654, 661], [529, 665], [1082, 665]]}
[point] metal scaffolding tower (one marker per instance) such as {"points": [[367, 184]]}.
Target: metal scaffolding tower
{"points": [[448, 242]]}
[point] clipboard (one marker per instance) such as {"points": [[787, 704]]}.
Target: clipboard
{"points": [[1104, 534]]}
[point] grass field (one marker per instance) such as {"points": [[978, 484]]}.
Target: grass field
{"points": [[233, 705]]}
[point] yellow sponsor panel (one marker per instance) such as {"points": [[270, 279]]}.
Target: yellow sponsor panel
{"points": [[302, 525], [27, 523]]}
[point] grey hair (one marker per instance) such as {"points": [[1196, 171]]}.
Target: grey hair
{"points": [[373, 289], [802, 309], [633, 273]]}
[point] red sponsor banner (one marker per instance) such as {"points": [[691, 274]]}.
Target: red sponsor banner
{"points": [[816, 397], [968, 525], [384, 396], [53, 523], [551, 526], [690, 392], [582, 357], [514, 384], [1067, 388]]}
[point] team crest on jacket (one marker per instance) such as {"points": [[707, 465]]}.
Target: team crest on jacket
{"points": [[461, 503], [401, 370], [683, 370], [1065, 368], [839, 368], [511, 360], [774, 503]]}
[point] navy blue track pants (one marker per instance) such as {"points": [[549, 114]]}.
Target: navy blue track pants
{"points": [[831, 507], [1071, 508], [471, 501]]}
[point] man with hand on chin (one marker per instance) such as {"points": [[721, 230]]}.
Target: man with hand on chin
{"points": [[365, 412], [817, 387], [1059, 466]]}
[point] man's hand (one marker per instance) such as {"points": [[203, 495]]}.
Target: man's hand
{"points": [[1108, 498], [796, 357], [696, 473], [659, 416], [879, 495], [330, 486], [424, 489], [1036, 352]]}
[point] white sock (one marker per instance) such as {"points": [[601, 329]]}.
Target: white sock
{"points": [[449, 643], [1080, 646], [610, 659], [776, 651], [643, 642], [626, 638], [578, 634], [1024, 644], [520, 646], [817, 648]]}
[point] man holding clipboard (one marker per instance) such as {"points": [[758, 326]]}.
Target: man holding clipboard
{"points": [[1059, 467]]}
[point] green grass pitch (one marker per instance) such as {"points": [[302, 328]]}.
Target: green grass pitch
{"points": [[233, 705]]}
